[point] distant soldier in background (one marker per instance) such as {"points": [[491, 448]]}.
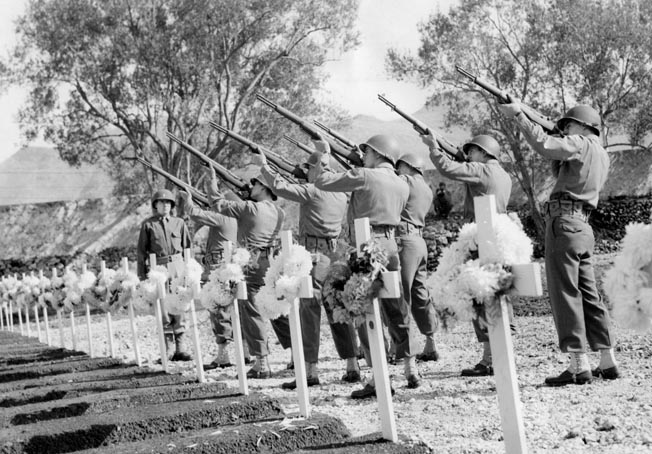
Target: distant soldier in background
{"points": [[379, 194], [481, 175], [166, 236], [443, 201], [320, 222], [581, 165], [413, 251], [221, 230]]}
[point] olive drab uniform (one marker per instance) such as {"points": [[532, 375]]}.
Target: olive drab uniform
{"points": [[258, 225], [320, 222], [221, 230], [582, 167], [379, 194], [413, 253], [167, 237], [479, 179]]}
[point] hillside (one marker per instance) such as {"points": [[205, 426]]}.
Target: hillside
{"points": [[38, 175]]}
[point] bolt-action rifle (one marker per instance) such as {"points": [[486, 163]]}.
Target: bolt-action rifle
{"points": [[196, 194], [275, 158], [350, 154], [503, 97], [337, 135], [237, 184], [451, 150], [309, 150]]}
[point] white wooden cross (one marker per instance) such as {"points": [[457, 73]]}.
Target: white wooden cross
{"points": [[527, 281], [195, 331], [236, 327], [44, 307], [88, 320], [132, 318], [295, 331], [39, 301], [29, 329], [158, 315], [109, 321], [373, 322]]}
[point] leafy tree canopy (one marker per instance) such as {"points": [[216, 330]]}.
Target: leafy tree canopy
{"points": [[108, 78]]}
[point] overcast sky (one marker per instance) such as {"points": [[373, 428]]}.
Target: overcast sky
{"points": [[356, 77]]}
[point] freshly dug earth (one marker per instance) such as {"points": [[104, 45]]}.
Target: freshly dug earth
{"points": [[449, 413]]}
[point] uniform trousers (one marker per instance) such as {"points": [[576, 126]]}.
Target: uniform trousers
{"points": [[413, 254], [395, 311], [253, 325], [310, 308], [578, 310]]}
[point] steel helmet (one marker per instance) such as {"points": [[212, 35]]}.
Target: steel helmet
{"points": [[584, 115], [414, 160], [259, 178], [484, 142], [385, 145], [163, 194]]}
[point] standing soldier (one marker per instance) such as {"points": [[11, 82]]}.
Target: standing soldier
{"points": [[482, 175], [413, 251], [379, 194], [259, 222], [581, 165], [166, 236], [320, 222], [221, 230]]}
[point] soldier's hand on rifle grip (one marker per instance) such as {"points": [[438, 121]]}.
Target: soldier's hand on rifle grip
{"points": [[511, 108], [260, 159], [321, 145], [429, 140]]}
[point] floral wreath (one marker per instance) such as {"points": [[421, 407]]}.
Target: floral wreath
{"points": [[28, 291], [463, 284], [220, 289], [628, 284], [182, 288], [351, 285], [283, 281]]}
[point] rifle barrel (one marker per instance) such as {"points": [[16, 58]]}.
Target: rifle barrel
{"points": [[198, 195], [266, 101]]}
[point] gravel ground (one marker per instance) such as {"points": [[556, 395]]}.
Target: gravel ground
{"points": [[449, 413]]}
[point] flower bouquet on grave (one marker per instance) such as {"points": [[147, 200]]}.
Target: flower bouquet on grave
{"points": [[350, 287], [628, 284], [283, 281], [54, 294], [123, 287], [184, 287], [220, 289], [102, 289], [462, 284]]}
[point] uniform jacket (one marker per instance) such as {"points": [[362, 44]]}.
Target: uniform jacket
{"points": [[161, 237]]}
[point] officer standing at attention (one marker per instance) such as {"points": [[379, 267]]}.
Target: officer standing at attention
{"points": [[259, 222], [221, 230], [413, 251], [381, 195], [482, 175], [581, 165], [320, 222], [166, 236]]}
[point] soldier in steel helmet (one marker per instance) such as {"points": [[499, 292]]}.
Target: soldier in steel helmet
{"points": [[259, 222], [381, 195], [413, 251], [481, 175], [166, 236], [581, 166], [320, 222]]}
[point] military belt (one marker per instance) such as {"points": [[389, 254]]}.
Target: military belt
{"points": [[566, 207], [408, 229]]}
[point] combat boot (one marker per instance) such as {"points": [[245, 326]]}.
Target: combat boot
{"points": [[181, 353]]}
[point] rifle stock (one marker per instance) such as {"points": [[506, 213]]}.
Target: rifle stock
{"points": [[450, 149], [278, 160], [503, 97], [309, 150], [237, 184], [313, 132], [195, 193]]}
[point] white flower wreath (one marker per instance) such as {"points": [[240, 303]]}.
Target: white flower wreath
{"points": [[221, 285], [462, 280], [283, 281], [628, 284], [121, 289]]}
